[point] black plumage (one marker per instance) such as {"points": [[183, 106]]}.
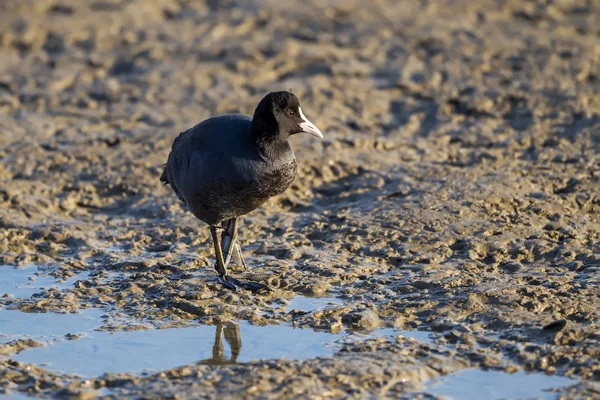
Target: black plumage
{"points": [[229, 165]]}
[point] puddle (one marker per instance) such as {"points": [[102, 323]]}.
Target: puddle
{"points": [[309, 304], [85, 395], [475, 384], [16, 324], [98, 352], [155, 350], [15, 396], [25, 282]]}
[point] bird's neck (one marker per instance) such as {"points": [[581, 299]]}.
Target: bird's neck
{"points": [[271, 143]]}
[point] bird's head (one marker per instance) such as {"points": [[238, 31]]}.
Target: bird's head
{"points": [[280, 113]]}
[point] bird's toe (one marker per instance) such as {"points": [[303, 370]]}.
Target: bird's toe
{"points": [[234, 284], [229, 283], [253, 286]]}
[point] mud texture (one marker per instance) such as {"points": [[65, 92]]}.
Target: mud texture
{"points": [[457, 189]]}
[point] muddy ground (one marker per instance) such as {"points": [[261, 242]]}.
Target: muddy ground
{"points": [[457, 189]]}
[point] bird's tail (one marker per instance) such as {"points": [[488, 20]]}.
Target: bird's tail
{"points": [[164, 177]]}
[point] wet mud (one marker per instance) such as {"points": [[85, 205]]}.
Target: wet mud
{"points": [[456, 193]]}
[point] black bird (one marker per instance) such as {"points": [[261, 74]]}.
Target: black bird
{"points": [[229, 165]]}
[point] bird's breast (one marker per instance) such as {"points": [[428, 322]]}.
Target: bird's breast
{"points": [[277, 178]]}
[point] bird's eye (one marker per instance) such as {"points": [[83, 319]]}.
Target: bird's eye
{"points": [[291, 113]]}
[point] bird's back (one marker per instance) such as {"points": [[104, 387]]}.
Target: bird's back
{"points": [[224, 133]]}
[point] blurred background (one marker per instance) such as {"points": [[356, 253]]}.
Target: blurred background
{"points": [[456, 190], [117, 80]]}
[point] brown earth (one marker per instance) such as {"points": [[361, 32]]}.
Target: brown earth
{"points": [[457, 189]]}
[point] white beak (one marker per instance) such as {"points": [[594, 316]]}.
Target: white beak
{"points": [[308, 126]]}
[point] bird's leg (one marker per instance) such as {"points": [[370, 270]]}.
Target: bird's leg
{"points": [[229, 244], [226, 280], [231, 235], [234, 339], [217, 350], [217, 353], [220, 265], [237, 256], [230, 240]]}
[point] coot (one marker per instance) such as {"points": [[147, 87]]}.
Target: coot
{"points": [[229, 165]]}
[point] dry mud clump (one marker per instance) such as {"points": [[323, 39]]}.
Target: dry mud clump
{"points": [[457, 189]]}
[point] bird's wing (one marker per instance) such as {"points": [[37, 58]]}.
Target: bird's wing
{"points": [[204, 145], [177, 163]]}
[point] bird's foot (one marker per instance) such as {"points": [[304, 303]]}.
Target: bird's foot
{"points": [[235, 284], [228, 282]]}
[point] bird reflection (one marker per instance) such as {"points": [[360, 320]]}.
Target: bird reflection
{"points": [[232, 335]]}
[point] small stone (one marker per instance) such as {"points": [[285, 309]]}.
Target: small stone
{"points": [[556, 325], [366, 319]]}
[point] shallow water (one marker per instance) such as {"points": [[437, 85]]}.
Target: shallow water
{"points": [[16, 324], [156, 350], [309, 304], [475, 384], [25, 282], [99, 352], [15, 396]]}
